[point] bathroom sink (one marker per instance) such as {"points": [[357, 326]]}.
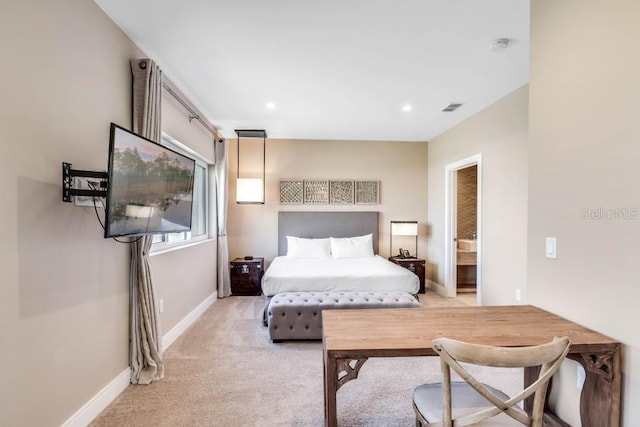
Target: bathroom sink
{"points": [[468, 245]]}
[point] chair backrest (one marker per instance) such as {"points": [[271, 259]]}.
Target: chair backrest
{"points": [[548, 356]]}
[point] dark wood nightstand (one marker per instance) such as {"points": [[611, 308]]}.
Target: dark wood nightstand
{"points": [[246, 276], [415, 265]]}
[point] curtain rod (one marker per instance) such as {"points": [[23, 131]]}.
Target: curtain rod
{"points": [[192, 114]]}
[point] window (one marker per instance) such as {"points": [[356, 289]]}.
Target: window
{"points": [[200, 208]]}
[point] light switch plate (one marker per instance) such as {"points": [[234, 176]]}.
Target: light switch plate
{"points": [[551, 248]]}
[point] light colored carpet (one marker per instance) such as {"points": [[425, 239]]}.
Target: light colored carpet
{"points": [[224, 371]]}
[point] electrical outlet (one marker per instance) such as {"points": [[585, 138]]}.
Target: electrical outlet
{"points": [[551, 249], [518, 295], [580, 377], [161, 306], [84, 183]]}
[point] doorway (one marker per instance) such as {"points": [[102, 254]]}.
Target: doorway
{"points": [[463, 221]]}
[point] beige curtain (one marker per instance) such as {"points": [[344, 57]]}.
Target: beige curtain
{"points": [[222, 189], [145, 336]]}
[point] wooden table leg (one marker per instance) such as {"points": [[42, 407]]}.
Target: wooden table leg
{"points": [[330, 390], [600, 398], [337, 372]]}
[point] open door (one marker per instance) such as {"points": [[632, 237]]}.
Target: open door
{"points": [[451, 227]]}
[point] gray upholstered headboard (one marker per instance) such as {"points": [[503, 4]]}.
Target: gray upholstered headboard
{"points": [[326, 224]]}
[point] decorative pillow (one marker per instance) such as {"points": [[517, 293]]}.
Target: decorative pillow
{"points": [[299, 247], [352, 247]]}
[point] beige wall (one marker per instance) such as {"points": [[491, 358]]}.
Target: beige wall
{"points": [[175, 123], [64, 288], [400, 167], [499, 133], [584, 152], [183, 279]]}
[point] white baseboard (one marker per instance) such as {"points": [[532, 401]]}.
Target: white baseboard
{"points": [[90, 410], [182, 326], [438, 288], [100, 401]]}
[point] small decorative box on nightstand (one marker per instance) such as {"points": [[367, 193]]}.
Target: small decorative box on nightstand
{"points": [[415, 265], [246, 276]]}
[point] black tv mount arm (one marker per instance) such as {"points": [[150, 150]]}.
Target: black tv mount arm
{"points": [[67, 183]]}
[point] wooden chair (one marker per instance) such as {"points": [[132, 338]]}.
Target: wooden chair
{"points": [[471, 402]]}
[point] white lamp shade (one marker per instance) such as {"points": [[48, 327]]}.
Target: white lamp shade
{"points": [[249, 190], [404, 228]]}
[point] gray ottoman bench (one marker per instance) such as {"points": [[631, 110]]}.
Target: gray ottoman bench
{"points": [[298, 315]]}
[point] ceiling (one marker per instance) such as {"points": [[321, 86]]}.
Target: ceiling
{"points": [[333, 69]]}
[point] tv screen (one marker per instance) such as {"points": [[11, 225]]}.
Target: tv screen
{"points": [[150, 187]]}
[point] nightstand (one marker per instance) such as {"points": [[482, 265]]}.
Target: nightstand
{"points": [[246, 276], [416, 265]]}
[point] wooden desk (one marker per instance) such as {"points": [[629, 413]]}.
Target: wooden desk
{"points": [[350, 337]]}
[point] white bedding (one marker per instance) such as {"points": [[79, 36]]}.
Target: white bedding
{"points": [[286, 274]]}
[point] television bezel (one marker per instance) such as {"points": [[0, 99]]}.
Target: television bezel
{"points": [[110, 181]]}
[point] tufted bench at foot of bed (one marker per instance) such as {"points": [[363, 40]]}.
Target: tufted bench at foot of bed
{"points": [[298, 315]]}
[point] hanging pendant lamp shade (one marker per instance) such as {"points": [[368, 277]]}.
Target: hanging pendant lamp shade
{"points": [[249, 190], [250, 184]]}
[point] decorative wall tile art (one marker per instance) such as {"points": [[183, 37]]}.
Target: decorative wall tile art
{"points": [[316, 192], [324, 191], [291, 191], [367, 193], [341, 192]]}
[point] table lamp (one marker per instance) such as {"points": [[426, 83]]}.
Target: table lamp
{"points": [[404, 228]]}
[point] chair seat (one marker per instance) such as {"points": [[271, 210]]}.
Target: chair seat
{"points": [[465, 400]]}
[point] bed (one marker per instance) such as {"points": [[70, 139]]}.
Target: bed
{"points": [[287, 274], [329, 260], [374, 274]]}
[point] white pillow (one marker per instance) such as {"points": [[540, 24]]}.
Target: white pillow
{"points": [[299, 247], [352, 247]]}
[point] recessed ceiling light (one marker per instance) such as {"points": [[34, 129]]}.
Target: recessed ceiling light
{"points": [[271, 105], [407, 108]]}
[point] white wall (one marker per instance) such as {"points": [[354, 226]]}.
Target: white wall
{"points": [[64, 288], [400, 167], [584, 152], [499, 133]]}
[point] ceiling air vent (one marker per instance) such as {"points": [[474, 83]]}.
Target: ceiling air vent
{"points": [[452, 107]]}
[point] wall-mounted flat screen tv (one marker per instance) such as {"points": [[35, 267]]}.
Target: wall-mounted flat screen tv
{"points": [[150, 187]]}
